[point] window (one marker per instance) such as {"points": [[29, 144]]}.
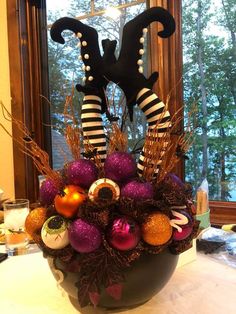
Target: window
{"points": [[29, 72], [210, 85], [28, 47], [65, 67]]}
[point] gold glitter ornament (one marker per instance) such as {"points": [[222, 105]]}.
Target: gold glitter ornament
{"points": [[157, 229], [34, 222]]}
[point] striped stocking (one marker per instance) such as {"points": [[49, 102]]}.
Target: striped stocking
{"points": [[155, 111], [92, 124]]}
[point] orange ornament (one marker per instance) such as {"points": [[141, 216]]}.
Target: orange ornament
{"points": [[67, 204], [157, 229], [34, 222]]}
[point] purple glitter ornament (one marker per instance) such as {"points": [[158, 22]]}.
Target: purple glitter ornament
{"points": [[47, 192], [84, 237], [81, 172], [174, 181], [137, 190], [124, 234], [120, 166]]}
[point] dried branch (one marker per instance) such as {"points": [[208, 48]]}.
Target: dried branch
{"points": [[118, 141], [30, 148], [72, 132], [163, 151]]}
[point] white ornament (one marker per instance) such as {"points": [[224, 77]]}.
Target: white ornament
{"points": [[79, 35], [83, 67], [141, 40], [145, 30], [103, 183], [55, 238], [87, 68], [84, 43], [86, 56], [141, 51], [84, 79], [90, 78], [140, 62], [79, 44], [140, 69]]}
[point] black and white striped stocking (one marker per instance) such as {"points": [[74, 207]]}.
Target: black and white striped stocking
{"points": [[92, 125], [155, 111]]}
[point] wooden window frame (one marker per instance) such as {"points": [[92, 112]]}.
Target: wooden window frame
{"points": [[27, 34], [27, 39]]}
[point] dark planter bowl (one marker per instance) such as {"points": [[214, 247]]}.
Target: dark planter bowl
{"points": [[145, 278]]}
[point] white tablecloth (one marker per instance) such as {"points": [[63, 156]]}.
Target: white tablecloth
{"points": [[204, 286]]}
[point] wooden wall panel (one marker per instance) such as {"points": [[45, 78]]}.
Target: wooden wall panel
{"points": [[28, 74]]}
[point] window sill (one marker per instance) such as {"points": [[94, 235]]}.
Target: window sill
{"points": [[222, 212]]}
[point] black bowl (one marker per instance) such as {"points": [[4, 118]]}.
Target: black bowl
{"points": [[144, 279]]}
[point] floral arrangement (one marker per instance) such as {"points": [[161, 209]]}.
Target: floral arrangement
{"points": [[98, 221], [104, 210]]}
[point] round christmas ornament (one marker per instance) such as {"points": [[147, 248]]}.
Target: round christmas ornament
{"points": [[120, 166], [104, 189], [47, 192], [68, 203], [183, 223], [174, 181], [55, 233], [81, 172], [124, 234], [137, 190], [157, 229], [34, 222], [183, 234], [84, 237]]}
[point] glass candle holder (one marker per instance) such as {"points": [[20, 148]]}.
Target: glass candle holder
{"points": [[15, 213]]}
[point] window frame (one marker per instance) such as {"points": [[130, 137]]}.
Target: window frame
{"points": [[27, 36]]}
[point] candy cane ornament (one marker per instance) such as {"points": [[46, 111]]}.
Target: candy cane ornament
{"points": [[178, 221]]}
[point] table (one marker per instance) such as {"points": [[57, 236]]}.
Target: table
{"points": [[204, 286]]}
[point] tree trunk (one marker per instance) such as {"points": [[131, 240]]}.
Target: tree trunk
{"points": [[203, 91], [223, 185], [195, 164]]}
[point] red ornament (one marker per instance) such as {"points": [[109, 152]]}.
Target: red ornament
{"points": [[183, 234], [67, 205], [183, 223], [124, 234]]}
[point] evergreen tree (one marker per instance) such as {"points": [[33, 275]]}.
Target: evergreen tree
{"points": [[209, 81]]}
